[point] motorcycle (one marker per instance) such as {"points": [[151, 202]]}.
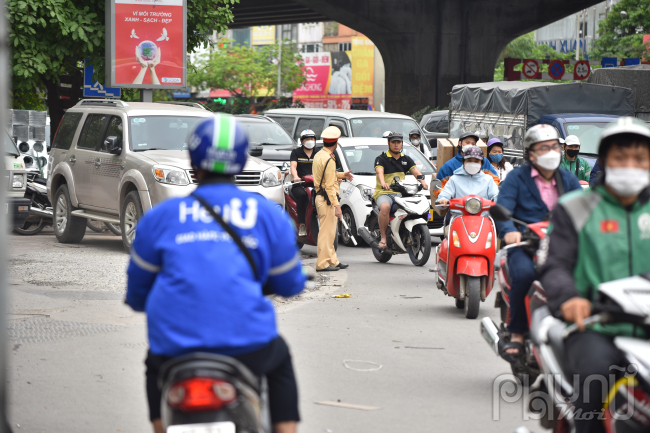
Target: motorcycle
{"points": [[204, 392], [466, 270], [40, 210], [499, 336], [407, 231], [628, 407], [311, 216]]}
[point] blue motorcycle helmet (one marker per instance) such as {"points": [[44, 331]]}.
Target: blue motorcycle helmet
{"points": [[218, 144]]}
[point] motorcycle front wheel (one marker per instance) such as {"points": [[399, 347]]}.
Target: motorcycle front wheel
{"points": [[420, 248], [473, 297]]}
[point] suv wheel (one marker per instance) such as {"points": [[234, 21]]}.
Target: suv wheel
{"points": [[68, 229], [131, 213]]}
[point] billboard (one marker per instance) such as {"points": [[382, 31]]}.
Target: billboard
{"points": [[262, 35], [146, 44], [363, 66], [317, 69]]}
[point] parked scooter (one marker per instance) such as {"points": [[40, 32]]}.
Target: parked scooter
{"points": [[407, 231], [536, 297], [40, 210], [311, 216], [466, 268], [628, 408]]}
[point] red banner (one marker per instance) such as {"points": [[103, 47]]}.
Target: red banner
{"points": [[149, 44], [317, 72]]}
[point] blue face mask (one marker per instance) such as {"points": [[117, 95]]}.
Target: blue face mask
{"points": [[496, 157]]}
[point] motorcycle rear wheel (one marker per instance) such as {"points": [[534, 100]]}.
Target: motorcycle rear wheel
{"points": [[31, 227], [422, 239], [472, 297], [94, 225]]}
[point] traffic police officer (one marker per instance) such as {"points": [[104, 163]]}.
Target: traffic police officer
{"points": [[327, 200]]}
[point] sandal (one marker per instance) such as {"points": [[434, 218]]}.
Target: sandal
{"points": [[379, 245], [512, 358]]}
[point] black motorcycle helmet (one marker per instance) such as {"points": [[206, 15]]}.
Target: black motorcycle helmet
{"points": [[465, 135]]}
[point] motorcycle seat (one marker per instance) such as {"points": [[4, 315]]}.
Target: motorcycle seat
{"points": [[206, 365]]}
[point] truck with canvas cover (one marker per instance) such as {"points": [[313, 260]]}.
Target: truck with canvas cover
{"points": [[634, 77]]}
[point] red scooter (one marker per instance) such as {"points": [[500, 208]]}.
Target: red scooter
{"points": [[311, 216], [466, 268]]}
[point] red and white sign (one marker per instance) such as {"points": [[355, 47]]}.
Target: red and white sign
{"points": [[581, 70], [147, 44], [530, 68], [317, 68], [341, 102]]}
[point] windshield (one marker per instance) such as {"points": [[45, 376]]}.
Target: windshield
{"points": [[10, 146], [587, 133], [361, 159], [265, 133], [375, 127], [160, 132]]}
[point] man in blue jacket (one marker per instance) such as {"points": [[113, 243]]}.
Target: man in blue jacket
{"points": [[530, 192], [198, 287]]}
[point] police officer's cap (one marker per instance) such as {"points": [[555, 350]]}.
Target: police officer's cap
{"points": [[330, 135]]}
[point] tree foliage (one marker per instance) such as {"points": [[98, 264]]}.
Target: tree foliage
{"points": [[623, 38], [248, 71]]}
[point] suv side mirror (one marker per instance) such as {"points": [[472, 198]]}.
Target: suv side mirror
{"points": [[112, 145], [255, 151]]}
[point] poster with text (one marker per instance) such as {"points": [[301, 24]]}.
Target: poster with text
{"points": [[363, 66], [317, 74], [148, 47]]}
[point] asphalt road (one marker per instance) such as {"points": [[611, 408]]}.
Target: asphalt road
{"points": [[397, 347]]}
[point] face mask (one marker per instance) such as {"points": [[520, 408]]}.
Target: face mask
{"points": [[415, 142], [549, 161], [497, 157], [572, 153], [626, 182], [309, 144], [472, 167]]}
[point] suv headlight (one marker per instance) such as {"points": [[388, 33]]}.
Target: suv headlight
{"points": [[170, 175], [366, 192], [17, 181], [271, 177]]}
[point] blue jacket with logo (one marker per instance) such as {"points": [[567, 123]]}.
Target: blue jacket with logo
{"points": [[195, 284]]}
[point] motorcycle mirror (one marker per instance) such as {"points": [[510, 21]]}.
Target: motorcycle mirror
{"points": [[255, 151], [396, 179], [436, 184], [500, 213]]}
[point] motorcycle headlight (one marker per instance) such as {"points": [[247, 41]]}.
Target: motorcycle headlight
{"points": [[473, 205], [17, 181], [366, 192], [170, 175], [271, 177]]}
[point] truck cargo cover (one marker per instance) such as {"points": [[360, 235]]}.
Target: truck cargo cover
{"points": [[636, 77], [535, 99]]}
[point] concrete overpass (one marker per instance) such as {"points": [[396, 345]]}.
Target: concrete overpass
{"points": [[428, 46]]}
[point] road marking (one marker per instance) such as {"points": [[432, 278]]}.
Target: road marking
{"points": [[346, 405]]}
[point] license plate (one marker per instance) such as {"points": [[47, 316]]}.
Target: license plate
{"points": [[212, 427]]}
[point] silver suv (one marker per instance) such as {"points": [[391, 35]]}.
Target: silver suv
{"points": [[112, 161]]}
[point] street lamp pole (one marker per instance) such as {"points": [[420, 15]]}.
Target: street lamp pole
{"points": [[278, 92]]}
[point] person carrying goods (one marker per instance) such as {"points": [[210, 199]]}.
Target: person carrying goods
{"points": [[327, 200], [599, 235], [572, 162], [495, 153], [302, 159], [529, 192], [200, 266]]}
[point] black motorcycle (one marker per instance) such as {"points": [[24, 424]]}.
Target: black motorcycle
{"points": [[40, 210]]}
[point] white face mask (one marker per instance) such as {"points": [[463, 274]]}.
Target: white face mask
{"points": [[415, 142], [472, 167], [626, 182], [309, 144], [549, 161]]}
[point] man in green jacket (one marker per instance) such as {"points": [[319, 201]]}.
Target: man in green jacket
{"points": [[598, 235], [572, 162]]}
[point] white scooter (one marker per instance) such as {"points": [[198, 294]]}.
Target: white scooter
{"points": [[407, 230]]}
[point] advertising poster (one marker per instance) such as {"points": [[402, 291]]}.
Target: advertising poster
{"points": [[146, 43], [363, 67], [262, 35], [318, 91]]}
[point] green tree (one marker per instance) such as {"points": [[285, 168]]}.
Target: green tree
{"points": [[248, 71], [50, 38], [623, 38]]}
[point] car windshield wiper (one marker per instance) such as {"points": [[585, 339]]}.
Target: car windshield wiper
{"points": [[364, 173], [274, 144]]}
